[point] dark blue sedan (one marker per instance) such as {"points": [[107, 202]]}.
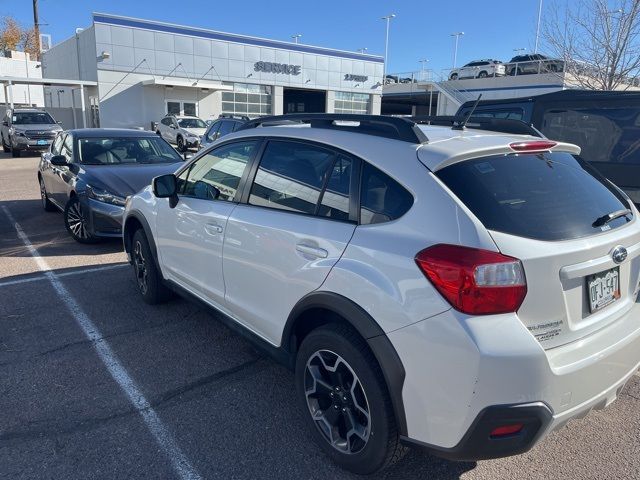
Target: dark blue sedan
{"points": [[89, 173]]}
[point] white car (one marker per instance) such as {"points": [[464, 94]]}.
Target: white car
{"points": [[183, 131], [464, 291], [479, 69]]}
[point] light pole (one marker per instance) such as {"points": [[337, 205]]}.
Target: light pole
{"points": [[362, 50], [455, 50], [296, 37], [423, 63], [535, 50], [519, 50], [386, 46]]}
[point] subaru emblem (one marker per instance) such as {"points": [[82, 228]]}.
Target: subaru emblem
{"points": [[619, 254]]}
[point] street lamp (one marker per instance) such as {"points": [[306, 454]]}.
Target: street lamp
{"points": [[296, 37], [423, 63], [535, 50], [455, 51], [362, 50], [386, 46], [519, 50]]}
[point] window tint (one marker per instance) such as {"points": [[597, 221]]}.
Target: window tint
{"points": [[335, 198], [166, 121], [225, 128], [291, 176], [222, 168], [212, 134], [515, 113], [550, 196], [57, 145], [67, 147], [381, 198]]}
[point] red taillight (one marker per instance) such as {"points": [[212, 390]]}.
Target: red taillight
{"points": [[533, 146], [474, 281], [506, 430]]}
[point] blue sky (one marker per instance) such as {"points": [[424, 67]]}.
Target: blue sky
{"points": [[422, 28]]}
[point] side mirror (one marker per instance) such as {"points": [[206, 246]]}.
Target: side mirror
{"points": [[187, 155], [166, 186], [59, 160], [59, 122], [172, 126]]}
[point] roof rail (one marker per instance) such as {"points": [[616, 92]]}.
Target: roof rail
{"points": [[235, 116], [396, 128], [517, 127]]}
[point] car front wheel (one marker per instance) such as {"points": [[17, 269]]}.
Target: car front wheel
{"points": [[148, 278], [345, 400], [75, 220], [180, 144]]}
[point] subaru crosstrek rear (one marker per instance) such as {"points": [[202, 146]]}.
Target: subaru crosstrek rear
{"points": [[465, 291]]}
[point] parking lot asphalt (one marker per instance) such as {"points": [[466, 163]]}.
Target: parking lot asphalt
{"points": [[96, 384]]}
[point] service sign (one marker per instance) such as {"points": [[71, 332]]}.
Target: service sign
{"points": [[355, 78], [271, 67]]}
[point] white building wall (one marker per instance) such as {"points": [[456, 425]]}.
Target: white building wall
{"points": [[19, 65]]}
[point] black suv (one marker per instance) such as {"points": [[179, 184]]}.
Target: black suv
{"points": [[605, 125], [224, 125], [533, 63]]}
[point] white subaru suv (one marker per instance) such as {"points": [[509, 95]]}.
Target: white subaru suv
{"points": [[467, 291]]}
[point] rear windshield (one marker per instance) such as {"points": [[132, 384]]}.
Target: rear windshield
{"points": [[549, 196]]}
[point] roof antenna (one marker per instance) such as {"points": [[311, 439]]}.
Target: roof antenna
{"points": [[462, 125]]}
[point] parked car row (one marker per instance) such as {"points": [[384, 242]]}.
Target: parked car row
{"points": [[518, 65], [27, 129], [462, 292]]}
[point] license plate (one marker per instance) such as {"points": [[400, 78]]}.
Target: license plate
{"points": [[42, 142], [604, 288]]}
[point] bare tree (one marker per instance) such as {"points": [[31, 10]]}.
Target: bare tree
{"points": [[599, 41]]}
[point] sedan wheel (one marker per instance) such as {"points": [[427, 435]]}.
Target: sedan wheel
{"points": [[76, 222], [180, 143]]}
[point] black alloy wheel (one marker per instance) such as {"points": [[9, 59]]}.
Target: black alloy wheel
{"points": [[180, 143], [147, 276]]}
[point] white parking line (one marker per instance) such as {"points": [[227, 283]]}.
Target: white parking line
{"points": [[63, 274], [161, 434]]}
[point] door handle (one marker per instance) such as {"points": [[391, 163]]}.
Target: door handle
{"points": [[213, 229], [312, 251]]}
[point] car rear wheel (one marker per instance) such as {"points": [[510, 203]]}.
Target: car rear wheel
{"points": [[75, 220], [483, 74], [148, 278], [345, 400], [180, 144], [15, 152], [5, 147], [454, 76], [46, 203]]}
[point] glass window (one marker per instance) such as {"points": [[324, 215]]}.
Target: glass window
{"points": [[225, 128], [515, 113], [222, 168], [166, 121], [189, 109], [346, 102], [125, 150], [247, 99], [191, 123], [381, 198], [67, 147], [57, 144], [173, 108], [335, 198], [291, 176], [547, 196], [212, 134]]}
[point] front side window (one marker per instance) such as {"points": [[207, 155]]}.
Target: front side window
{"points": [[382, 199], [67, 147], [57, 145], [221, 168], [212, 133], [166, 121], [545, 196], [291, 176], [125, 150]]}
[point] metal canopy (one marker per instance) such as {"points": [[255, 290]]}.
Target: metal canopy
{"points": [[172, 82]]}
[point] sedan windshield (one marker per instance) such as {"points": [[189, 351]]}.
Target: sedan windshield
{"points": [[32, 118], [191, 123], [126, 150]]}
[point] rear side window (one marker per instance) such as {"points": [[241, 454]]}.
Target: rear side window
{"points": [[382, 199], [550, 196], [291, 176], [225, 128]]}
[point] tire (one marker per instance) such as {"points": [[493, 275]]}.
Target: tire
{"points": [[515, 71], [46, 203], [15, 153], [454, 76], [483, 74], [357, 389], [5, 147], [148, 279], [180, 144], [76, 223]]}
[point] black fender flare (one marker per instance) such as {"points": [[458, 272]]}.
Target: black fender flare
{"points": [[147, 231], [380, 345]]}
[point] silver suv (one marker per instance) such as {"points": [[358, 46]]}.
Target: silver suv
{"points": [[27, 129], [465, 291], [183, 131]]}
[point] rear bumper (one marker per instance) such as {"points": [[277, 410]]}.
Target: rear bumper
{"points": [[457, 368]]}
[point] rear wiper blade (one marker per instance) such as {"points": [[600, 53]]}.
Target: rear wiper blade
{"points": [[603, 220]]}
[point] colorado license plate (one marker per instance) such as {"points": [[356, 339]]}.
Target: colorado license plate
{"points": [[604, 288]]}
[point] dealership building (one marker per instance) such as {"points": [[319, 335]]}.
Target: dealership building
{"points": [[136, 71]]}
